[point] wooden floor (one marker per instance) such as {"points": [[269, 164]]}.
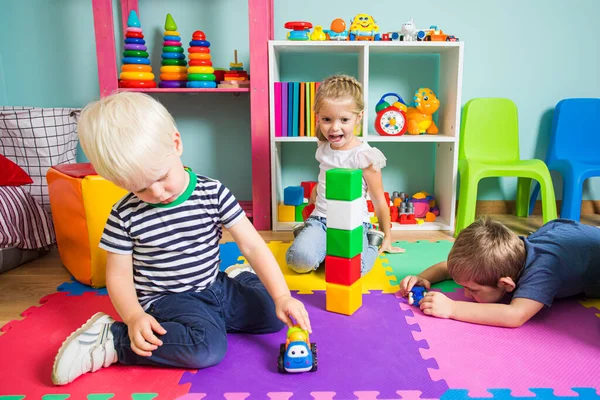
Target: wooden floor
{"points": [[25, 285]]}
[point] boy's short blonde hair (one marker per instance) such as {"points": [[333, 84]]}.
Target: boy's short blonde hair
{"points": [[486, 251], [338, 87], [126, 136]]}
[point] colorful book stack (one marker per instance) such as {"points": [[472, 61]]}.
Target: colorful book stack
{"points": [[294, 103], [236, 77], [136, 71], [201, 73], [172, 73], [343, 191]]}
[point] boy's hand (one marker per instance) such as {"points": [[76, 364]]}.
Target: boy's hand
{"points": [[286, 307], [141, 328], [409, 281], [437, 304], [386, 246]]}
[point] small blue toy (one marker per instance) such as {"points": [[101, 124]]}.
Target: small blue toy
{"points": [[416, 295]]}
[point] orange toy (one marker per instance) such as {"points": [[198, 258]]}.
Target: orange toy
{"points": [[81, 201]]}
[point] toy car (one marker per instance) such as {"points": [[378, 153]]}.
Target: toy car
{"points": [[297, 354], [416, 295]]}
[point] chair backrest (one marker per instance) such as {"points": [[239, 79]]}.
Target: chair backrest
{"points": [[576, 131], [489, 130]]}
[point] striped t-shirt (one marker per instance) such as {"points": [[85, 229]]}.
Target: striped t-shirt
{"points": [[175, 246]]}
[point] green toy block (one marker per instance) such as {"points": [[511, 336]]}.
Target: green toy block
{"points": [[343, 184], [343, 243], [299, 212]]}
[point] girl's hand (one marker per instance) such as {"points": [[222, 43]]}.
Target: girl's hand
{"points": [[141, 328], [287, 307], [386, 246]]}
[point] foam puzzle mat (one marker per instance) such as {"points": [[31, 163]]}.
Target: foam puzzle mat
{"points": [[386, 350]]}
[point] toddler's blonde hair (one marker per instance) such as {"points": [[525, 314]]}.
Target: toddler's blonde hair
{"points": [[486, 251], [338, 87], [126, 136]]}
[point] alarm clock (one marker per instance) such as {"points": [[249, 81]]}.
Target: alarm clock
{"points": [[391, 119]]}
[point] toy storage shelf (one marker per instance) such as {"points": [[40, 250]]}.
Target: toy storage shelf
{"points": [[260, 17], [445, 144], [186, 90]]}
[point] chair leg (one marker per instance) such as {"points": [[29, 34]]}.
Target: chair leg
{"points": [[534, 194], [523, 188], [571, 204], [548, 200], [467, 203]]}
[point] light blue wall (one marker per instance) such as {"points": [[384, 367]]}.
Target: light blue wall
{"points": [[534, 52], [48, 59]]}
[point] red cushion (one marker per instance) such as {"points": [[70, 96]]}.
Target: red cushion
{"points": [[12, 174]]}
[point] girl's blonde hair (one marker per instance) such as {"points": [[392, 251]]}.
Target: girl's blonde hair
{"points": [[126, 136], [335, 88], [486, 251]]}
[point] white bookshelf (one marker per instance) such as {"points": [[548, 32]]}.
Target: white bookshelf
{"points": [[448, 116]]}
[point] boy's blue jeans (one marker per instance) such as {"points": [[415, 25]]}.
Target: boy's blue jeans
{"points": [[197, 323], [310, 247]]}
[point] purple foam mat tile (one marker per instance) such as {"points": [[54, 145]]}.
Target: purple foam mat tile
{"points": [[557, 348], [372, 350]]}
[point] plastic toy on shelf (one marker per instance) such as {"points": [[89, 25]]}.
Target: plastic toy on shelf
{"points": [[200, 72], [337, 30], [136, 71], [236, 77], [297, 354], [300, 30], [363, 27], [318, 34], [420, 116], [425, 206], [391, 119], [173, 73], [416, 294]]}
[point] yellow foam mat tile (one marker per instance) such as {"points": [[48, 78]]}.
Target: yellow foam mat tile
{"points": [[592, 303], [376, 279]]}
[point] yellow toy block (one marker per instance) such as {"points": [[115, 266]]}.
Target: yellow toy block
{"points": [[286, 213], [81, 202], [344, 299]]}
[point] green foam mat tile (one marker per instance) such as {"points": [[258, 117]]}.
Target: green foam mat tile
{"points": [[419, 256]]}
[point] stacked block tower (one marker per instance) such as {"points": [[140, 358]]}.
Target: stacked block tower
{"points": [[136, 71], [344, 240], [236, 77], [201, 73], [173, 73]]}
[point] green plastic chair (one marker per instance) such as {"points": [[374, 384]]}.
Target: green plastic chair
{"points": [[489, 147]]}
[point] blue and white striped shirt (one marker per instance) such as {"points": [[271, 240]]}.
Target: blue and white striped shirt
{"points": [[175, 248]]}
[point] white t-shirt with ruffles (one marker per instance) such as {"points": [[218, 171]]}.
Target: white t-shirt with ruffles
{"points": [[359, 157]]}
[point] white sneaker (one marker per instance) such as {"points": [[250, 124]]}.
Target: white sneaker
{"points": [[237, 269], [88, 349]]}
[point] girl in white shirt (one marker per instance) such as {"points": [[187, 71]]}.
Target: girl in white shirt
{"points": [[339, 109]]}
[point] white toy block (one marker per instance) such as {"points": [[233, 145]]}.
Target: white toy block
{"points": [[345, 215]]}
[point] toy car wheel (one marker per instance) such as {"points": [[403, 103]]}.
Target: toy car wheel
{"points": [[282, 349], [428, 38], [313, 349], [280, 367]]}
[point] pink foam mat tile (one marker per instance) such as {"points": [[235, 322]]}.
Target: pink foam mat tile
{"points": [[559, 348], [28, 348]]}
